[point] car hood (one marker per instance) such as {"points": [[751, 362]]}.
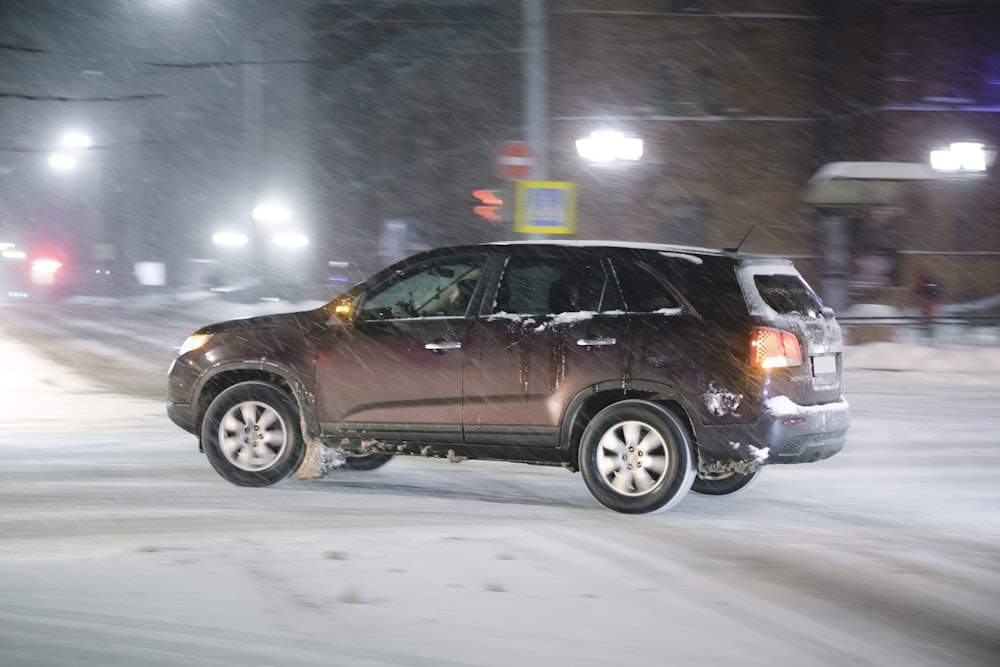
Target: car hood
{"points": [[260, 322]]}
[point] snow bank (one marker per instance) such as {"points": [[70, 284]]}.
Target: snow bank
{"points": [[872, 310], [905, 357]]}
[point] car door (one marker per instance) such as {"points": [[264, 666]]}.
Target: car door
{"points": [[553, 331], [395, 370], [671, 348]]}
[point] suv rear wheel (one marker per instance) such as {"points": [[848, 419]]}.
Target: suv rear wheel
{"points": [[251, 434], [366, 461], [635, 457], [725, 483]]}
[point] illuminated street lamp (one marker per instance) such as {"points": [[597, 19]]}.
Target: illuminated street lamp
{"points": [[606, 147], [230, 239], [62, 162], [272, 213], [76, 139], [276, 245], [8, 251], [610, 148], [963, 157], [65, 159], [75, 153]]}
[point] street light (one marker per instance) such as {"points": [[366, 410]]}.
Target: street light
{"points": [[606, 147], [72, 141], [62, 162], [76, 139], [228, 238], [963, 157], [75, 154], [272, 213]]}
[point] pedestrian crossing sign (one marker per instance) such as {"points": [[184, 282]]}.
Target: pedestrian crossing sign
{"points": [[545, 207]]}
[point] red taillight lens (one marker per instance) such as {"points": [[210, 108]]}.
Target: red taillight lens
{"points": [[773, 348]]}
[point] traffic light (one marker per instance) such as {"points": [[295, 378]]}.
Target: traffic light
{"points": [[488, 204]]}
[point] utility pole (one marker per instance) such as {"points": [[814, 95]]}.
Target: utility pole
{"points": [[534, 63], [253, 112]]}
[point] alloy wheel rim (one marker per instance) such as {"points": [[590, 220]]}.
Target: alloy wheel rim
{"points": [[632, 458], [252, 436]]}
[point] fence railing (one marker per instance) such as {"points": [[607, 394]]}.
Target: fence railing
{"points": [[946, 330]]}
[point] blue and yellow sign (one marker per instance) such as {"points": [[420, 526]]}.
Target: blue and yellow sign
{"points": [[545, 207]]}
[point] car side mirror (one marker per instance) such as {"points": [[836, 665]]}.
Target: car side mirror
{"points": [[343, 309]]}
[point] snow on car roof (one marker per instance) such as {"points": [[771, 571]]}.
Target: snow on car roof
{"points": [[661, 247], [669, 250]]}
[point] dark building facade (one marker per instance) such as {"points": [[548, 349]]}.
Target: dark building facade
{"points": [[411, 101], [738, 103]]}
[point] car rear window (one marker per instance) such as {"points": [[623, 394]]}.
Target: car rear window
{"points": [[788, 294]]}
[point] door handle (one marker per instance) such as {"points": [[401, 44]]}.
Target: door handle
{"points": [[596, 342], [440, 347]]}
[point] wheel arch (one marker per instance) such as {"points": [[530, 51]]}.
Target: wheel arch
{"points": [[586, 404], [232, 374]]}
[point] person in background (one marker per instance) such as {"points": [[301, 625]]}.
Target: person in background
{"points": [[928, 292]]}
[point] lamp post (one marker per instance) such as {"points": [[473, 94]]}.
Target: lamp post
{"points": [[230, 239], [64, 159], [609, 150], [74, 155], [607, 147], [278, 238], [271, 213], [966, 164], [963, 158]]}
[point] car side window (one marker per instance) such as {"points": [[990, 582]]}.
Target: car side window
{"points": [[548, 285], [441, 288], [644, 292]]}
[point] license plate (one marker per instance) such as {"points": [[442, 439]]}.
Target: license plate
{"points": [[824, 365]]}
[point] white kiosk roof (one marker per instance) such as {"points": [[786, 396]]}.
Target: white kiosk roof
{"points": [[867, 183]]}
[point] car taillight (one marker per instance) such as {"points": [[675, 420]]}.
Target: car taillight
{"points": [[774, 348]]}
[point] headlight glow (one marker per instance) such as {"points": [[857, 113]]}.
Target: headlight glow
{"points": [[193, 342]]}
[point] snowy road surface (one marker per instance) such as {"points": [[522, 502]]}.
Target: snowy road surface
{"points": [[120, 546]]}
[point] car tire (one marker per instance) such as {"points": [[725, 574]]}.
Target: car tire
{"points": [[725, 484], [366, 461], [636, 457], [251, 434]]}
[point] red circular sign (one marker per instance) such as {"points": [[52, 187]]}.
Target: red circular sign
{"points": [[513, 161]]}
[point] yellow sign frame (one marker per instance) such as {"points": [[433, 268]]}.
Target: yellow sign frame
{"points": [[545, 207]]}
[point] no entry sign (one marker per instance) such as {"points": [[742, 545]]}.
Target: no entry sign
{"points": [[513, 161]]}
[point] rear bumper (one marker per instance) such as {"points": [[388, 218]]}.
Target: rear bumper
{"points": [[785, 433], [805, 433]]}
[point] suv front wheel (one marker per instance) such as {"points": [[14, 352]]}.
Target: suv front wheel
{"points": [[251, 434], [635, 457]]}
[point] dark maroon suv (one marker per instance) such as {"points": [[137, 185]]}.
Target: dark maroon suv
{"points": [[651, 369]]}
